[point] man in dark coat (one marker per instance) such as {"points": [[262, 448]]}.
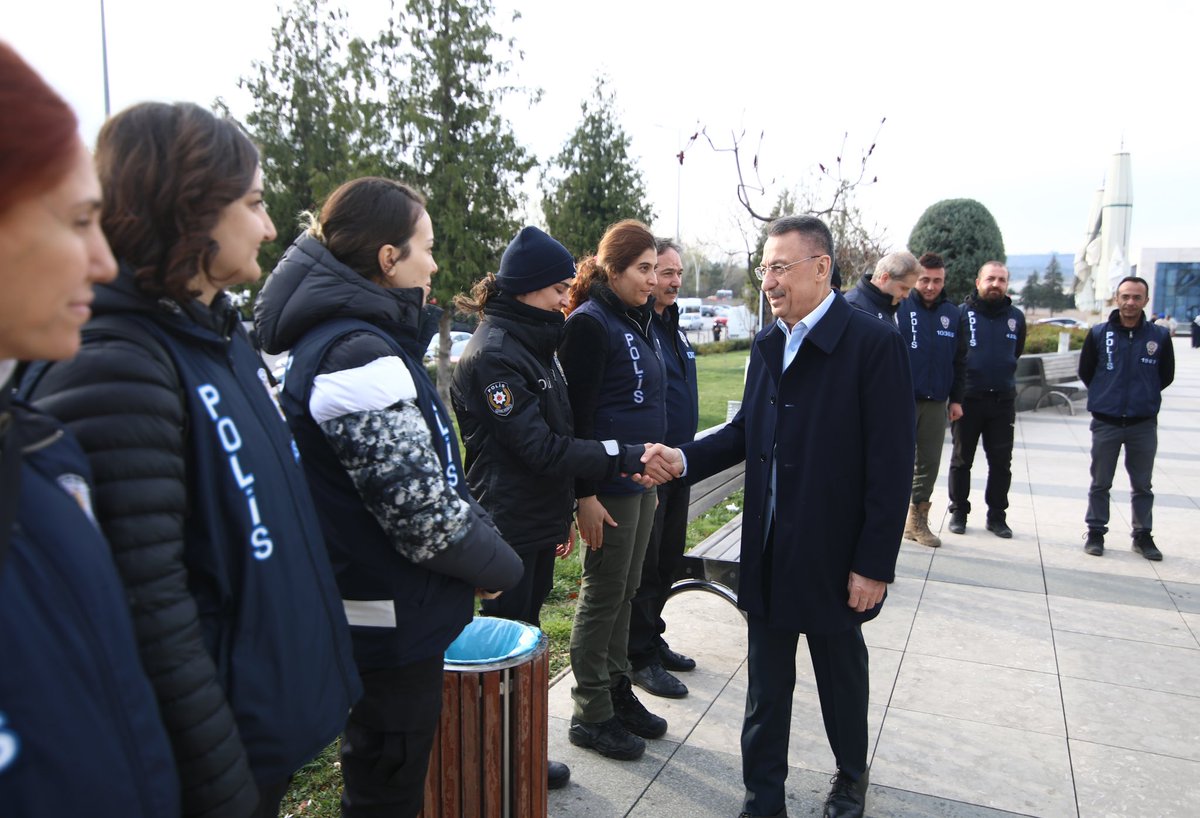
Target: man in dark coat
{"points": [[827, 425]]}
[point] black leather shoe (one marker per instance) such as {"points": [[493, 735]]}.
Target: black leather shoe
{"points": [[958, 522], [632, 714], [1144, 544], [654, 680], [557, 775], [847, 797], [1094, 544], [608, 738], [675, 661], [781, 814], [1000, 529]]}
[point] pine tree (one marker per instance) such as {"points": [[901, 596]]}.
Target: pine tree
{"points": [[1052, 286], [1031, 293]]}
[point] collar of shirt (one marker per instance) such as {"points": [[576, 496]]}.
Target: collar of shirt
{"points": [[792, 338]]}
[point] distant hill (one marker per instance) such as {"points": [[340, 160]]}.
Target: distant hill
{"points": [[1021, 267]]}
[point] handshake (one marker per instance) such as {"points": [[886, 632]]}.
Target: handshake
{"points": [[660, 463]]}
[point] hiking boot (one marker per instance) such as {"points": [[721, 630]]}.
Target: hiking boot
{"points": [[1095, 543], [632, 714], [958, 522], [608, 738], [1143, 543], [658, 682], [921, 533], [1000, 529], [910, 525]]}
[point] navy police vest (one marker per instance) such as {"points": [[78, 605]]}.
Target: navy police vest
{"points": [[991, 350], [931, 336], [1127, 383]]}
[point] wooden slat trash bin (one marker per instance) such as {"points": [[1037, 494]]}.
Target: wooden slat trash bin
{"points": [[489, 755]]}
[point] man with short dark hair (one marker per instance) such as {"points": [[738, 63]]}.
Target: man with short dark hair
{"points": [[826, 488], [929, 324], [650, 657], [1126, 363], [992, 332]]}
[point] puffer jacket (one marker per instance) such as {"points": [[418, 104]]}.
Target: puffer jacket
{"points": [[211, 525], [409, 546], [79, 727], [510, 397]]}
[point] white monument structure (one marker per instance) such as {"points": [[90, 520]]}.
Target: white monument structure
{"points": [[1104, 259]]}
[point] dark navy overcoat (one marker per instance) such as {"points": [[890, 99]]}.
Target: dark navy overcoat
{"points": [[840, 422]]}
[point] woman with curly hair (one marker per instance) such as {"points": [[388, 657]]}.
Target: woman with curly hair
{"points": [[198, 487]]}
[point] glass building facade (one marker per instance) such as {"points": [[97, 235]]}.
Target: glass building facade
{"points": [[1177, 289]]}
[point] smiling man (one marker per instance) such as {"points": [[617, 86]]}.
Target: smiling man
{"points": [[826, 432]]}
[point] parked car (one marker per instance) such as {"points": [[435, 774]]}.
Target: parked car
{"points": [[1064, 321], [455, 337]]}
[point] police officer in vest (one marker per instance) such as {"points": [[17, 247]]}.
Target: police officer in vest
{"points": [[650, 657], [881, 292], [929, 324], [992, 332], [1126, 363]]}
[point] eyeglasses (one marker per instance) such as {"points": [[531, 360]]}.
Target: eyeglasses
{"points": [[777, 270]]}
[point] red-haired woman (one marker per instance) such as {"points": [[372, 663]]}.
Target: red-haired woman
{"points": [[617, 386], [199, 489], [79, 727]]}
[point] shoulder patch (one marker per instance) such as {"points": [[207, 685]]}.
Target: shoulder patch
{"points": [[499, 398]]}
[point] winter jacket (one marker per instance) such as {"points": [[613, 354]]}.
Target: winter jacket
{"points": [[992, 337], [872, 300], [1126, 369], [79, 727], [615, 378], [409, 546], [679, 362], [211, 525], [510, 397], [931, 335]]}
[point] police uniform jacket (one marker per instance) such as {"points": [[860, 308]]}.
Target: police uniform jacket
{"points": [[836, 433], [80, 732], [679, 362], [211, 524], [510, 396], [1126, 369], [992, 336], [931, 335], [408, 544]]}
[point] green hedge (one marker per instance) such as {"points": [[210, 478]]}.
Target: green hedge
{"points": [[719, 347], [1044, 338]]}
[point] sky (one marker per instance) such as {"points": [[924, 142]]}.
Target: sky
{"points": [[1018, 105]]}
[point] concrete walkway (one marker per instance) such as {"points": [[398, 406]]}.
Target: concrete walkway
{"points": [[1018, 677]]}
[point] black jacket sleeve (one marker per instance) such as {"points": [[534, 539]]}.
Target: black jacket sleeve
{"points": [[1020, 333], [1087, 359], [583, 351], [123, 401], [1166, 365]]}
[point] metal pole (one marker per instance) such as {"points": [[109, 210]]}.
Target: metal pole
{"points": [[104, 59]]}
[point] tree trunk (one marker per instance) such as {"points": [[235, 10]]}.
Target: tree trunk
{"points": [[443, 356]]}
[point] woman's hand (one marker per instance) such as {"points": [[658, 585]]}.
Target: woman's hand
{"points": [[592, 517], [564, 549]]}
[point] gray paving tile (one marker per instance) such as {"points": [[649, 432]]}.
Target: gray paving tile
{"points": [[996, 767], [601, 787], [1121, 621], [1101, 587], [891, 628], [1120, 716], [987, 625], [970, 691], [1113, 781], [1185, 595], [1142, 665], [887, 802], [1193, 623], [989, 572]]}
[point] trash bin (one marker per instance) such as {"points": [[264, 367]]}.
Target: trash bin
{"points": [[489, 755]]}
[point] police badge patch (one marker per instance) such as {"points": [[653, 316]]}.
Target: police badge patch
{"points": [[1151, 347], [499, 399], [945, 322], [1012, 325]]}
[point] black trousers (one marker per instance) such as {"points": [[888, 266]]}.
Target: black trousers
{"points": [[524, 602], [270, 798], [667, 539], [385, 750], [840, 665], [991, 416]]}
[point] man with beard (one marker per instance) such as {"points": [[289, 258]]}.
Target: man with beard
{"points": [[929, 324], [1126, 363], [992, 333], [649, 654], [881, 292]]}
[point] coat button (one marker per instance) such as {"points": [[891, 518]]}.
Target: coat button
{"points": [[772, 400], [763, 457]]}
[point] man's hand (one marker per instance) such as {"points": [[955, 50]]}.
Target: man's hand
{"points": [[955, 411], [564, 549], [483, 593], [592, 517], [865, 593], [662, 462]]}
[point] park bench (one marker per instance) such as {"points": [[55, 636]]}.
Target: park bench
{"points": [[1043, 377]]}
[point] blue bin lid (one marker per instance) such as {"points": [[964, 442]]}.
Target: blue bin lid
{"points": [[488, 639]]}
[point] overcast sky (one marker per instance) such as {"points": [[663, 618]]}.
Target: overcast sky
{"points": [[1018, 105]]}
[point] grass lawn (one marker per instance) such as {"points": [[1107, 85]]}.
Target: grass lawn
{"points": [[316, 789]]}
